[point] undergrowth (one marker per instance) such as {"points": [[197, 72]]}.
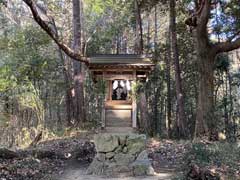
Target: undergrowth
{"points": [[221, 157]]}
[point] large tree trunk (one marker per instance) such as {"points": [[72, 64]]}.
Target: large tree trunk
{"points": [[169, 91], [205, 120], [181, 119], [79, 114]]}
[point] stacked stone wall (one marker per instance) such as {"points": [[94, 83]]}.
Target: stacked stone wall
{"points": [[120, 155]]}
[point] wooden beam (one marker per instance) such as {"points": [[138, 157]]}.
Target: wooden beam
{"points": [[121, 68], [141, 76], [116, 76]]}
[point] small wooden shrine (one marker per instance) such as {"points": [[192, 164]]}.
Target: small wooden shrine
{"points": [[120, 72]]}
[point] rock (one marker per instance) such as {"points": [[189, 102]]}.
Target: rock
{"points": [[142, 165], [119, 149], [101, 157], [142, 168], [139, 170], [96, 167], [121, 154], [150, 171], [110, 155], [136, 143], [125, 149], [124, 159], [142, 156], [106, 142], [123, 139]]}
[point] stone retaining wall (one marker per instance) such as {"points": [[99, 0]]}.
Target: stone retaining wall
{"points": [[120, 155]]}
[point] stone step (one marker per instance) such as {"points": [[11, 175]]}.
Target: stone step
{"points": [[121, 123], [118, 130]]}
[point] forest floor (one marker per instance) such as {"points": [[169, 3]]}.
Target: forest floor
{"points": [[166, 160], [77, 171], [68, 159]]}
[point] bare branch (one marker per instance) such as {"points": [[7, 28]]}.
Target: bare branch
{"points": [[227, 46], [44, 25], [234, 36]]}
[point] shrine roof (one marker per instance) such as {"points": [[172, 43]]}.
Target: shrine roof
{"points": [[120, 60]]}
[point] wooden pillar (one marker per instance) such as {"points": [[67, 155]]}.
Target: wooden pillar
{"points": [[134, 104], [103, 117]]}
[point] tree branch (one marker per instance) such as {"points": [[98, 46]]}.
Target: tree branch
{"points": [[44, 25], [202, 21], [234, 36], [227, 46]]}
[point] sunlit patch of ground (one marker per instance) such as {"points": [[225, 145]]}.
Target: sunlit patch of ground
{"points": [[78, 172]]}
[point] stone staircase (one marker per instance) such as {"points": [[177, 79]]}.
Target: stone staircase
{"points": [[118, 130]]}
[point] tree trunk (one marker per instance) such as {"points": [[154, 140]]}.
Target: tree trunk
{"points": [[156, 118], [68, 79], [139, 31], [118, 44], [144, 113], [205, 120], [79, 114], [181, 119], [206, 123], [169, 91], [155, 30], [148, 32]]}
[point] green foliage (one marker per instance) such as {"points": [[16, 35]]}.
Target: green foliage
{"points": [[137, 87], [4, 119], [29, 71], [3, 2], [7, 80], [106, 20], [95, 93], [222, 62], [101, 87], [30, 98]]}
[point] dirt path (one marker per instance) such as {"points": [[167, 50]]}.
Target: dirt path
{"points": [[76, 171]]}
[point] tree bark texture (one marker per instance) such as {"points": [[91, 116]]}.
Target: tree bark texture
{"points": [[155, 30], [144, 113], [79, 114], [205, 109], [181, 119], [169, 91], [139, 30]]}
